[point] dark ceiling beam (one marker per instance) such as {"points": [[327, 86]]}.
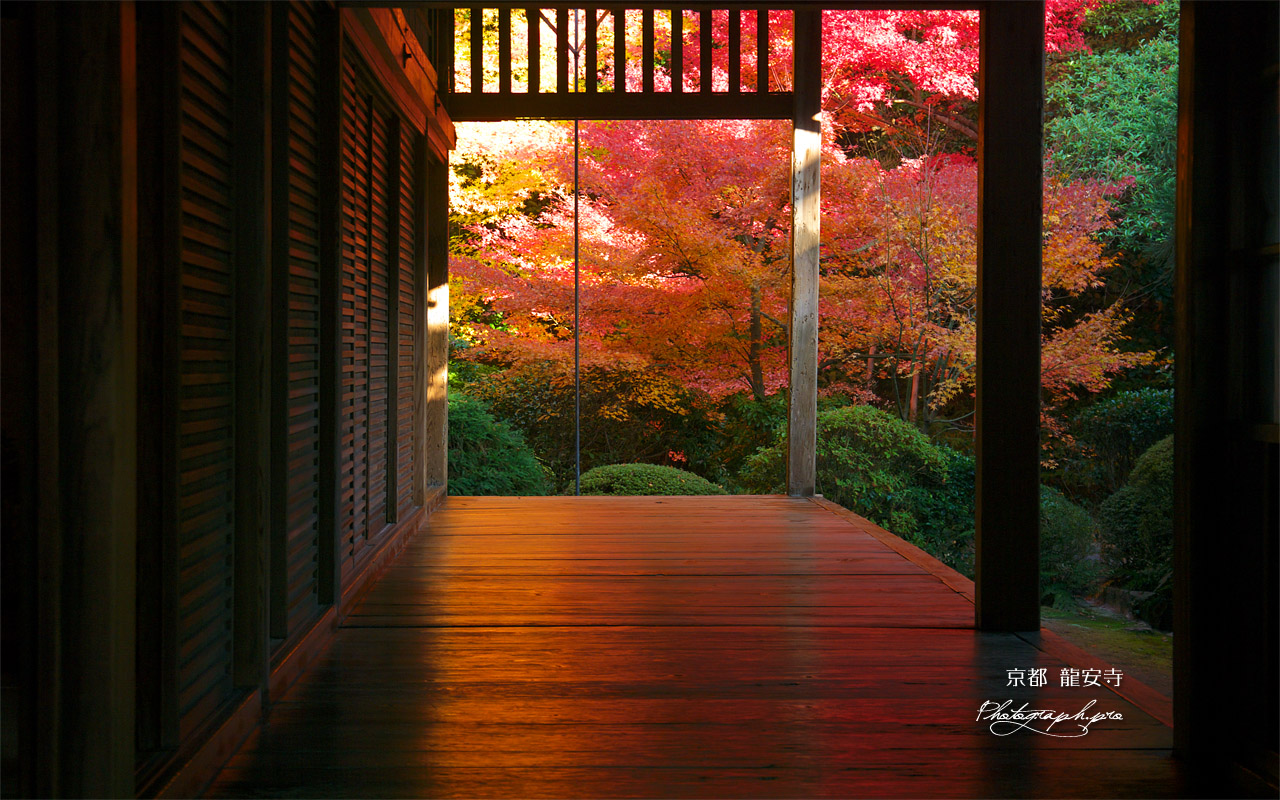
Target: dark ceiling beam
{"points": [[492, 107], [747, 5]]}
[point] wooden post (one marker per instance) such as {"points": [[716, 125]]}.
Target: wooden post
{"points": [[1011, 90], [619, 50], [252, 198], [705, 48], [762, 50], [591, 66], [1227, 415], [562, 51], [806, 157], [87, 381], [534, 25], [646, 50], [157, 566], [278, 580], [677, 50], [475, 24], [504, 51], [434, 453], [735, 51]]}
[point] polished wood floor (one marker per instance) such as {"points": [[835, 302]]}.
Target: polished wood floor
{"points": [[681, 647]]}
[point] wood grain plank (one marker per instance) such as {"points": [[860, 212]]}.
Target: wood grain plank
{"points": [[679, 647]]}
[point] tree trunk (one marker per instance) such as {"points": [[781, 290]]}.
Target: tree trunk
{"points": [[757, 343], [915, 393]]}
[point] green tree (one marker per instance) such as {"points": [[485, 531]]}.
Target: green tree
{"points": [[1112, 115], [1112, 433], [885, 469], [628, 414], [487, 457], [1136, 523], [1067, 545]]}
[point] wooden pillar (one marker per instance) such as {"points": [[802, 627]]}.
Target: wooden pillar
{"points": [[252, 198], [806, 157], [1010, 167], [87, 383], [278, 604], [1227, 415], [434, 452]]}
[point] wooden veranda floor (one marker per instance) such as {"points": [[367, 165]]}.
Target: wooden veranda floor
{"points": [[681, 647]]}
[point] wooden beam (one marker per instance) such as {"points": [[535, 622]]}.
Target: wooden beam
{"points": [[694, 5], [630, 105], [1226, 455], [806, 158], [86, 219], [590, 66], [646, 45], [1011, 90], [534, 22], [762, 50], [705, 50], [504, 51], [677, 50], [253, 364], [619, 50], [435, 441], [421, 363], [475, 21], [278, 582], [735, 51], [445, 45], [368, 37], [562, 53]]}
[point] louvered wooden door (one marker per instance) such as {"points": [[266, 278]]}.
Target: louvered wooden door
{"points": [[381, 228], [377, 316], [205, 414], [296, 439], [353, 398], [406, 321]]}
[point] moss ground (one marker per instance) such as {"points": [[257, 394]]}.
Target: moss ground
{"points": [[1131, 646]]}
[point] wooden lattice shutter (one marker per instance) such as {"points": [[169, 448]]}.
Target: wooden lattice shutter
{"points": [[296, 563], [405, 322], [354, 393], [381, 229], [205, 440]]}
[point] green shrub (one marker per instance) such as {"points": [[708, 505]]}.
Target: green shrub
{"points": [[645, 479], [944, 511], [628, 414], [1112, 433], [1136, 524], [889, 472], [744, 426], [487, 457], [1067, 566]]}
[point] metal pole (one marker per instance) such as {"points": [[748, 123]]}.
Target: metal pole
{"points": [[577, 296]]}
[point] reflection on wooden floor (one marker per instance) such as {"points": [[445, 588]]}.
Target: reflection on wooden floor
{"points": [[680, 647]]}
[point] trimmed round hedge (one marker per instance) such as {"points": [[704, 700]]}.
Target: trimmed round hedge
{"points": [[1136, 523], [645, 479]]}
